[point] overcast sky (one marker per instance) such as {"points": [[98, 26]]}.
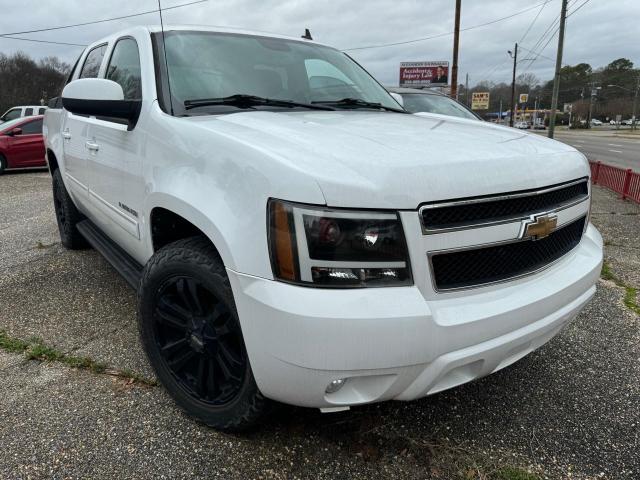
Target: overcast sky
{"points": [[600, 31]]}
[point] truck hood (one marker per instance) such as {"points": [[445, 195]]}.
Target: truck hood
{"points": [[390, 160]]}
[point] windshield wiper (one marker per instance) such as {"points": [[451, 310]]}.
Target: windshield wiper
{"points": [[357, 103], [249, 101]]}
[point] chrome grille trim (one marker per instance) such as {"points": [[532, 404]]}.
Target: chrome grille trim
{"points": [[430, 231]]}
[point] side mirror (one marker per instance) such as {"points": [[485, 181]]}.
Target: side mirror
{"points": [[398, 98], [14, 131], [100, 98]]}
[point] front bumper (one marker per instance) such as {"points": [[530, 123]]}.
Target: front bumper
{"points": [[393, 343]]}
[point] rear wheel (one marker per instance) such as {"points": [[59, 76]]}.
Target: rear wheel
{"points": [[190, 330], [3, 164], [67, 215]]}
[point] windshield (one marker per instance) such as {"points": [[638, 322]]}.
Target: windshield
{"points": [[213, 65], [5, 126], [426, 102]]}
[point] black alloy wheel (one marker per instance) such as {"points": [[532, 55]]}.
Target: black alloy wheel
{"points": [[199, 341]]}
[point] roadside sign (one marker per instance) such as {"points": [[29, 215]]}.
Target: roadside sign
{"points": [[480, 101], [618, 118], [567, 107], [424, 74], [524, 97]]}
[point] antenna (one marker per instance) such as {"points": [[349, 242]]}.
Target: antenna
{"points": [[166, 64], [306, 36]]}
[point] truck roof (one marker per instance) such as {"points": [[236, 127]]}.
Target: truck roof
{"points": [[203, 28]]}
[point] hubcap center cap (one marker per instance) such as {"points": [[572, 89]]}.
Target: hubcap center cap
{"points": [[196, 342]]}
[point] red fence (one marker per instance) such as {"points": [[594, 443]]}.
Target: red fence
{"points": [[625, 182]]}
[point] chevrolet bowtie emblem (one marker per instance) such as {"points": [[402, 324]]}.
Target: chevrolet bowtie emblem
{"points": [[538, 226]]}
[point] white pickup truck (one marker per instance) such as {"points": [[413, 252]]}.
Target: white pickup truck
{"points": [[294, 235]]}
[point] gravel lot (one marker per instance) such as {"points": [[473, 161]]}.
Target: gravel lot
{"points": [[567, 410]]}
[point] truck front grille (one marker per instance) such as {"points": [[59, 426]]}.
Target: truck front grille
{"points": [[482, 211], [499, 262]]}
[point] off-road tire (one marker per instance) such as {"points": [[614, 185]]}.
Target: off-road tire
{"points": [[195, 258], [67, 215]]}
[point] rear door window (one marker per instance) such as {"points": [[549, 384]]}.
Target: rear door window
{"points": [[28, 112], [92, 63], [41, 111]]}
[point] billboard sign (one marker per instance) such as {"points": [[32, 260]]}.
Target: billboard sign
{"points": [[480, 101], [424, 74], [524, 97]]}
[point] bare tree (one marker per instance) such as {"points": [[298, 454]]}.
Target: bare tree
{"points": [[23, 81]]}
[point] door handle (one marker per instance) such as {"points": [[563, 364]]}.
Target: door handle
{"points": [[92, 146], [66, 135]]}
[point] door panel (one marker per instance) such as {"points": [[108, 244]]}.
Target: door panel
{"points": [[26, 151], [74, 134], [34, 151], [115, 180]]}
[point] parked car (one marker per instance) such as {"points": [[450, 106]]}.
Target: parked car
{"points": [[22, 144], [612, 122], [627, 122], [429, 101], [294, 235], [522, 125], [22, 111], [596, 122]]}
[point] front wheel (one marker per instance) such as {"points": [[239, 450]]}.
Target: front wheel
{"points": [[3, 164], [190, 330]]}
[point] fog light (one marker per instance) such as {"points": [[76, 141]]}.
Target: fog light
{"points": [[335, 385]]}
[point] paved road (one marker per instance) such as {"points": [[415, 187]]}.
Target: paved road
{"points": [[604, 146]]}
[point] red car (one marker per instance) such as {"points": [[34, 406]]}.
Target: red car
{"points": [[22, 144]]}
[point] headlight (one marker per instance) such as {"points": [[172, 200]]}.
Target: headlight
{"points": [[337, 248]]}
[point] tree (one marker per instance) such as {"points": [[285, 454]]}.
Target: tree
{"points": [[24, 81]]}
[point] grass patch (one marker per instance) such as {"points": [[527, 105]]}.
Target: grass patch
{"points": [[630, 293], [36, 349], [607, 274], [513, 473], [630, 299], [12, 345]]}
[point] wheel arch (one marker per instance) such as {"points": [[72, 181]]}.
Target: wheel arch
{"points": [[52, 161], [171, 219]]}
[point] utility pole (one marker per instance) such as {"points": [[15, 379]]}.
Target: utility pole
{"points": [[513, 85], [456, 39], [594, 94], [466, 91], [634, 123], [556, 78]]}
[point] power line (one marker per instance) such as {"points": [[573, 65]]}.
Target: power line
{"points": [[444, 34], [556, 22], [43, 41], [539, 54], [533, 22], [488, 73], [61, 27], [582, 5]]}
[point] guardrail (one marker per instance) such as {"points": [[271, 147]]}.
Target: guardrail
{"points": [[624, 182]]}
